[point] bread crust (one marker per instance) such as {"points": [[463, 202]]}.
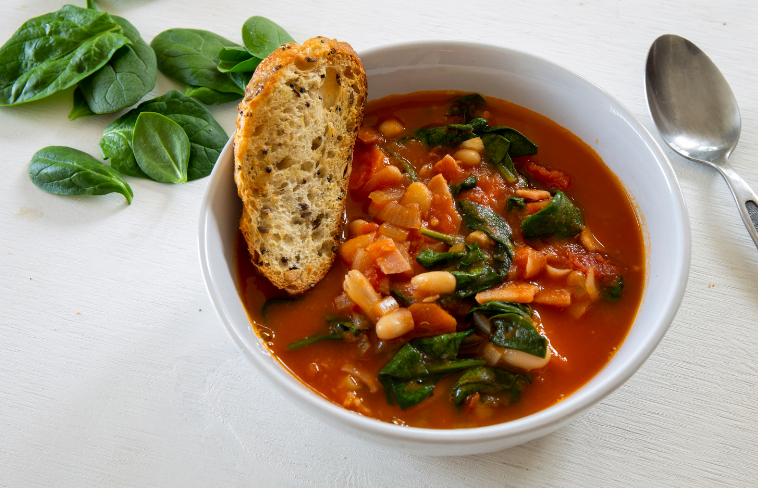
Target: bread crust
{"points": [[296, 128]]}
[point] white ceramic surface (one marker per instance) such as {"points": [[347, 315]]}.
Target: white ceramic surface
{"points": [[623, 143]]}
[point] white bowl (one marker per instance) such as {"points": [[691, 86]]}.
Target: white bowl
{"points": [[571, 101]]}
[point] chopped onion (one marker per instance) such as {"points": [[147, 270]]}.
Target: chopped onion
{"points": [[359, 289], [407, 216], [384, 196], [483, 324]]}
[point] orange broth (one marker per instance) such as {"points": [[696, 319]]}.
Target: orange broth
{"points": [[581, 347]]}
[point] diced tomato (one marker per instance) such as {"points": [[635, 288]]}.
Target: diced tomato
{"points": [[367, 161], [442, 214], [548, 177], [369, 135], [430, 320]]}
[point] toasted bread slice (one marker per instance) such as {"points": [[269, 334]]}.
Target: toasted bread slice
{"points": [[293, 146]]}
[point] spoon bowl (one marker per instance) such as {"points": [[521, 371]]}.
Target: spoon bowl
{"points": [[696, 113]]}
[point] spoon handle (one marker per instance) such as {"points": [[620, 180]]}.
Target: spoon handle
{"points": [[747, 200]]}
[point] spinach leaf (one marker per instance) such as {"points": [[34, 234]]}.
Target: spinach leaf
{"points": [[80, 108], [515, 331], [338, 329], [233, 54], [409, 377], [66, 171], [513, 327], [431, 259], [514, 202], [129, 75], [55, 51], [560, 218], [262, 36], [439, 236], [191, 56], [209, 96], [245, 66], [464, 185], [161, 148], [407, 166], [611, 292], [469, 283], [206, 136], [91, 5], [402, 298], [481, 218], [448, 135], [493, 381], [496, 147], [465, 106], [496, 307], [520, 145]]}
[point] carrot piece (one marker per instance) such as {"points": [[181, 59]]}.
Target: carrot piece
{"points": [[509, 292], [431, 320], [558, 297], [369, 135]]}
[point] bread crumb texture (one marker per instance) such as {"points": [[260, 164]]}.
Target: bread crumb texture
{"points": [[296, 128]]}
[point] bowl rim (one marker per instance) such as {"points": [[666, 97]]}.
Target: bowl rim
{"points": [[545, 419]]}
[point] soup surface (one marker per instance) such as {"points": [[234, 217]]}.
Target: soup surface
{"points": [[485, 273]]}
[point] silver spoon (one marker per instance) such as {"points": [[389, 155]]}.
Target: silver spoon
{"points": [[696, 113]]}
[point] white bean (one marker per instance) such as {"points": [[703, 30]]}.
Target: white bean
{"points": [[434, 282], [394, 324]]}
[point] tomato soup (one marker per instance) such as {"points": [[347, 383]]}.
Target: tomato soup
{"points": [[491, 265]]}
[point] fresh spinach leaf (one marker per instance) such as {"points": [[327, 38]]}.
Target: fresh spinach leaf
{"points": [[611, 291], [161, 148], [491, 381], [66, 171], [80, 108], [478, 217], [560, 218], [520, 145], [448, 135], [409, 377], [209, 96], [469, 283], [514, 202], [464, 185], [465, 106], [234, 54], [246, 66], [513, 330], [129, 75], [206, 136], [191, 56], [55, 51], [261, 36], [496, 148]]}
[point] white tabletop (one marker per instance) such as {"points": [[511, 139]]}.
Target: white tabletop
{"points": [[115, 370]]}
